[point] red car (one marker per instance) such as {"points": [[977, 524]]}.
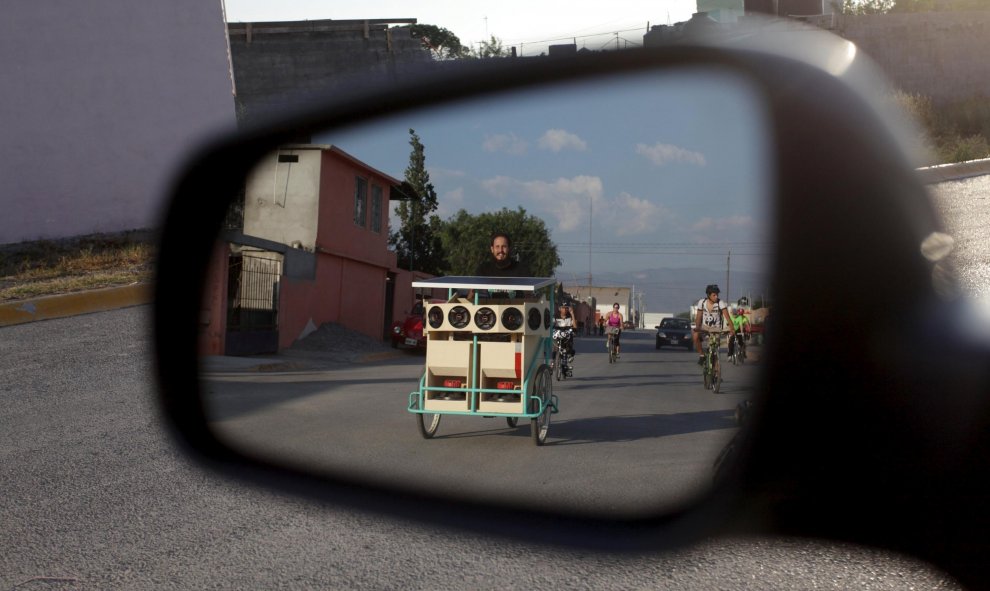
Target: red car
{"points": [[408, 333]]}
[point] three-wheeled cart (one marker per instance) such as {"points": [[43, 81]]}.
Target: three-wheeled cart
{"points": [[487, 353]]}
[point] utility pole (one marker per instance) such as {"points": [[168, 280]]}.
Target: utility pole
{"points": [[591, 216], [728, 263]]}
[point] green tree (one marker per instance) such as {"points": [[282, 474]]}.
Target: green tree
{"points": [[417, 242], [442, 43], [491, 48], [867, 6], [467, 238]]}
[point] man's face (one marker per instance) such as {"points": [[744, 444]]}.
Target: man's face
{"points": [[500, 249]]}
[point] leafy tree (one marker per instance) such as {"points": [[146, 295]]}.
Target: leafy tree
{"points": [[443, 44], [867, 6], [491, 48], [417, 241], [467, 240]]}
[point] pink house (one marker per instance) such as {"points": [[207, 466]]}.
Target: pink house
{"points": [[313, 249]]}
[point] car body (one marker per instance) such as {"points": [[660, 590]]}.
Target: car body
{"points": [[408, 333], [628, 325], [674, 332], [883, 440]]}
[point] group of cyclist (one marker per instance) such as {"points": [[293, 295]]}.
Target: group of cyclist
{"points": [[712, 316]]}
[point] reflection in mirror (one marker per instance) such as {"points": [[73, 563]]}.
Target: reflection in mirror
{"points": [[635, 190]]}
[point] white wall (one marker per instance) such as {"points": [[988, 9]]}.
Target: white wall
{"points": [[281, 200], [99, 103]]}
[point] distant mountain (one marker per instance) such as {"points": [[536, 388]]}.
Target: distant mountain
{"points": [[675, 290]]}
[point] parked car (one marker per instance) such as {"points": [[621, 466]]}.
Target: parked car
{"points": [[628, 325], [674, 332], [408, 333]]}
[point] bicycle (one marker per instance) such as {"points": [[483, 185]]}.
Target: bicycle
{"points": [[712, 368], [613, 352], [560, 363], [739, 357]]}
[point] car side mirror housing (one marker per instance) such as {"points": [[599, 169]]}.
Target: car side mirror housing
{"points": [[847, 220]]}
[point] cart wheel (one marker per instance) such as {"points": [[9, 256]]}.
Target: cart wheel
{"points": [[542, 391], [512, 421], [428, 424]]}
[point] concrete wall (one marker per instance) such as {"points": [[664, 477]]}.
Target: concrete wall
{"points": [[278, 64], [100, 102], [281, 198], [943, 55]]}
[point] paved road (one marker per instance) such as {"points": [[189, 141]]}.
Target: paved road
{"points": [[965, 208], [95, 497], [644, 427]]}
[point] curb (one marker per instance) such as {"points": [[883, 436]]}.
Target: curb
{"points": [[72, 304], [954, 172]]}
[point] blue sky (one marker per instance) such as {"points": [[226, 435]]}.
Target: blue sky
{"points": [[663, 171], [530, 26]]}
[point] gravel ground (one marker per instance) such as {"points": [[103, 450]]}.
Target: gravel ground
{"points": [[337, 343]]}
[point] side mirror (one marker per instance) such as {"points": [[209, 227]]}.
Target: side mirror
{"points": [[804, 150]]}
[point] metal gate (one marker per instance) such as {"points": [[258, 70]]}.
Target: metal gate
{"points": [[252, 304]]}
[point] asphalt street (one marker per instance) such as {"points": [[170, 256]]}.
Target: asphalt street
{"points": [[644, 427], [95, 496]]}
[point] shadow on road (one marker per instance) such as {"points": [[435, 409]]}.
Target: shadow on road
{"points": [[618, 428]]}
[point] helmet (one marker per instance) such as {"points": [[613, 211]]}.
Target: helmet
{"points": [[713, 288]]}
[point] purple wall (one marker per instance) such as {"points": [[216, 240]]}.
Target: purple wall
{"points": [[99, 103]]}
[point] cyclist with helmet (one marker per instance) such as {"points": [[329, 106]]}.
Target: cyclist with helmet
{"points": [[740, 323], [712, 316]]}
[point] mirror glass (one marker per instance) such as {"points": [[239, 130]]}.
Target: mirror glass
{"points": [[633, 190]]}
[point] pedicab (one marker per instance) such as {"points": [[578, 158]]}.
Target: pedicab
{"points": [[487, 353]]}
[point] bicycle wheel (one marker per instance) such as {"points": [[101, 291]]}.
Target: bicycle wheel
{"points": [[707, 374], [716, 375], [611, 350], [558, 367], [428, 424], [542, 390]]}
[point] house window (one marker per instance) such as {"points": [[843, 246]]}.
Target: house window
{"points": [[376, 209], [360, 201]]}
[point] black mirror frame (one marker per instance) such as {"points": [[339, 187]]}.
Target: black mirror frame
{"points": [[839, 170]]}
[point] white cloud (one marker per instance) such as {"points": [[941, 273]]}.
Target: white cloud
{"points": [[450, 202], [661, 154], [564, 200], [629, 215], [509, 143], [556, 140]]}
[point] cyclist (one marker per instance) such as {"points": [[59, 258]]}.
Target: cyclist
{"points": [[613, 324], [740, 323], [712, 316], [567, 320]]}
